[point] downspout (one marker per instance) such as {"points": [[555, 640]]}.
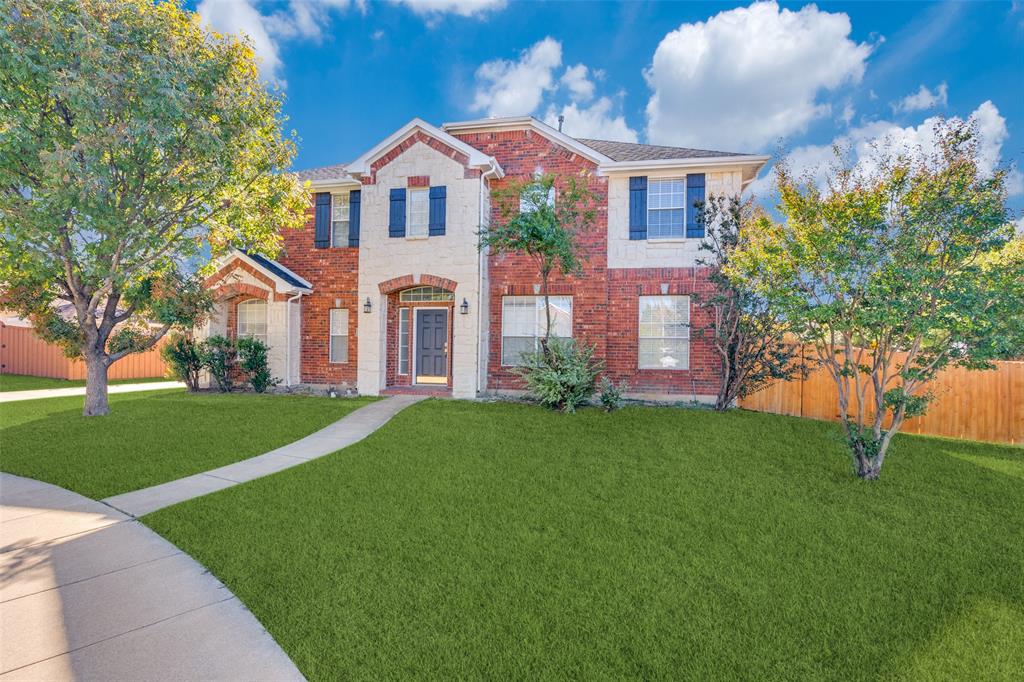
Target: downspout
{"points": [[481, 376], [288, 340]]}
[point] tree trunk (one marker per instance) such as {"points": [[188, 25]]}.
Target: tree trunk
{"points": [[95, 387]]}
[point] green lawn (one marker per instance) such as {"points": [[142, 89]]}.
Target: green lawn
{"points": [[468, 540], [23, 382], [152, 437]]}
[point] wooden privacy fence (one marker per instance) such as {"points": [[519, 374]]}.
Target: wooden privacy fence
{"points": [[975, 404], [22, 352]]}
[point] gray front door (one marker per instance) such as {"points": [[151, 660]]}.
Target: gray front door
{"points": [[432, 345]]}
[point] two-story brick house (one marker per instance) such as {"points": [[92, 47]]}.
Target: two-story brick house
{"points": [[387, 290]]}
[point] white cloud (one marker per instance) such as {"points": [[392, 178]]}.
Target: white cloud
{"points": [[508, 88], [298, 19], [923, 99], [748, 76], [848, 113], [462, 8], [529, 84], [596, 121], [577, 80], [814, 160]]}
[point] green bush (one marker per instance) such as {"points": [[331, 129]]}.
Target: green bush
{"points": [[563, 377], [611, 395], [218, 356], [252, 357], [184, 359]]}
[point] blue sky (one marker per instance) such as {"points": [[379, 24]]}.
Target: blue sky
{"points": [[738, 77]]}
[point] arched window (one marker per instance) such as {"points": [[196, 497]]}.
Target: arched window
{"points": [[252, 319], [425, 294]]}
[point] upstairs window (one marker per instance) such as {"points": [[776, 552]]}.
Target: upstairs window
{"points": [[339, 219], [666, 213], [252, 320], [419, 212]]}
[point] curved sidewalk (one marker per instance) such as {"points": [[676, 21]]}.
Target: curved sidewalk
{"points": [[350, 429], [89, 593]]}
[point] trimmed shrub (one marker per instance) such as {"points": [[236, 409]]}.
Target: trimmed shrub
{"points": [[563, 376], [184, 359], [218, 358], [252, 359]]}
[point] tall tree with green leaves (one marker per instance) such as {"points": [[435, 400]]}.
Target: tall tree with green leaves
{"points": [[542, 221], [901, 265], [131, 140]]}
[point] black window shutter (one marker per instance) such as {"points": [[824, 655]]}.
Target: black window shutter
{"points": [[694, 205], [354, 204], [638, 207], [396, 222], [322, 220], [438, 210]]}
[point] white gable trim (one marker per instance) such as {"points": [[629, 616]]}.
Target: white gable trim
{"points": [[477, 159], [281, 285], [520, 122]]}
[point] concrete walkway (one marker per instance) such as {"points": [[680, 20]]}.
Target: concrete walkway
{"points": [[350, 429], [87, 593], [13, 396]]}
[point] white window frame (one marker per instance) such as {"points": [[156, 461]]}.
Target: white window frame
{"points": [[539, 322], [685, 336], [243, 322], [412, 229], [404, 340], [682, 207], [333, 325], [340, 204]]}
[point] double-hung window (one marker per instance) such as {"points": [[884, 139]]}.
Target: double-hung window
{"points": [[252, 320], [666, 208], [339, 219], [664, 339], [523, 322], [339, 335], [419, 212]]}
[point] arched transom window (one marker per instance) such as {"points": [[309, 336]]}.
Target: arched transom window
{"points": [[421, 294], [252, 319]]}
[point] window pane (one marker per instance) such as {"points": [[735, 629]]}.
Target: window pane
{"points": [[339, 348], [403, 340], [665, 214], [664, 353], [419, 206], [339, 207], [425, 293], [523, 322], [339, 233], [513, 347], [252, 320], [339, 335]]}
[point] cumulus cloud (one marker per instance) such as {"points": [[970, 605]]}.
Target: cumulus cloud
{"points": [[596, 121], [507, 88], [298, 19], [860, 142], [463, 8], [748, 76], [923, 99], [532, 83]]}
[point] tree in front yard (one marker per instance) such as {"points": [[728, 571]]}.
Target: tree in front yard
{"points": [[131, 140], [902, 265], [747, 329]]}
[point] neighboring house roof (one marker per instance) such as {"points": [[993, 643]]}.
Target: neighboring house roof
{"points": [[631, 151], [275, 268]]}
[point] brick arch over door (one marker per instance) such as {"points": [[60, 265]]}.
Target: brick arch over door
{"points": [[394, 284]]}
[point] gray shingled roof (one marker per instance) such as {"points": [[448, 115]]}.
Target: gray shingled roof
{"points": [[324, 173], [279, 270], [630, 151]]}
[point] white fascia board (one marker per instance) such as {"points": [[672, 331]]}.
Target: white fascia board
{"points": [[520, 122], [283, 285], [477, 159], [757, 161], [340, 182]]}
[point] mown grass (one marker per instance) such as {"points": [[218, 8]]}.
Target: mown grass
{"points": [[23, 382], [152, 437], [501, 541]]}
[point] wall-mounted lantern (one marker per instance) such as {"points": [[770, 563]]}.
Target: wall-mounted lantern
{"points": [[464, 308], [367, 307]]}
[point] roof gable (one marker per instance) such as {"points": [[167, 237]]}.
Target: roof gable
{"points": [[474, 157]]}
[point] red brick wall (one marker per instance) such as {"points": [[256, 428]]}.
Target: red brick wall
{"points": [[333, 272], [605, 305]]}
